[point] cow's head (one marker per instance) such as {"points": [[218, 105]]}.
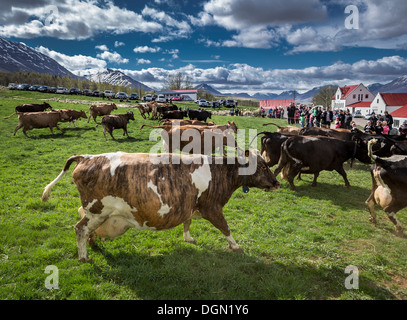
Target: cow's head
{"points": [[232, 125], [83, 114], [114, 107], [258, 173], [47, 106], [360, 151], [130, 115]]}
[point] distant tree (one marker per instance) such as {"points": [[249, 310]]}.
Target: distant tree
{"points": [[178, 81], [324, 96]]}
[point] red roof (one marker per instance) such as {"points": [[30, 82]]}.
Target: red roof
{"points": [[347, 90], [360, 104], [267, 104], [191, 91], [394, 99], [400, 113]]}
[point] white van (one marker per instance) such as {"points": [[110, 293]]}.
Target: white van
{"points": [[161, 98]]}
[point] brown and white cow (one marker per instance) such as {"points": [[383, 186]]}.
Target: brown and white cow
{"points": [[101, 110], [38, 120], [389, 186], [70, 115], [119, 191], [284, 130]]}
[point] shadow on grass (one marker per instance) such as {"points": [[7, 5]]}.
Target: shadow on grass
{"points": [[189, 273]]}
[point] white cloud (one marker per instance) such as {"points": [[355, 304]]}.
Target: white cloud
{"points": [[102, 47], [118, 44], [143, 61], [145, 49], [76, 63], [112, 57]]}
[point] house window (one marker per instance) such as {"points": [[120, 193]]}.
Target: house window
{"points": [[367, 96], [396, 123], [354, 96], [377, 100]]}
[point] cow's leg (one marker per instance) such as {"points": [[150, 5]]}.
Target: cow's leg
{"points": [[314, 182], [104, 131], [83, 229], [187, 237], [17, 128], [342, 172], [93, 236], [391, 210], [370, 204], [59, 128], [397, 225], [111, 133], [218, 220]]}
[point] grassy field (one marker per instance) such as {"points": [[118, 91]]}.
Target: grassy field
{"points": [[296, 244]]}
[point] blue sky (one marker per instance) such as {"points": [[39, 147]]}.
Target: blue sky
{"points": [[234, 45]]}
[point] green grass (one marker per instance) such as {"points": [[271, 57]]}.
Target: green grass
{"points": [[296, 244]]}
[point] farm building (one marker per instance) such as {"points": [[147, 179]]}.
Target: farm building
{"points": [[399, 116], [389, 102], [347, 96], [268, 104], [188, 94]]}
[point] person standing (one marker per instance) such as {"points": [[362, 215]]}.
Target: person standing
{"points": [[373, 119], [347, 120], [326, 118], [389, 119]]}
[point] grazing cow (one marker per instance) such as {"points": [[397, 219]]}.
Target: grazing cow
{"points": [[30, 107], [38, 120], [201, 115], [284, 130], [312, 155], [389, 186], [101, 110], [70, 115], [116, 121], [119, 191]]}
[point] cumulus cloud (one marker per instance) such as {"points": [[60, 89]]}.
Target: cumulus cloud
{"points": [[146, 49], [112, 57], [143, 61]]}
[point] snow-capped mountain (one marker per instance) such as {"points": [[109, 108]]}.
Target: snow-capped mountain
{"points": [[398, 85], [116, 77], [206, 87], [16, 56]]}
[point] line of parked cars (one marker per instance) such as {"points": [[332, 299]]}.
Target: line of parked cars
{"points": [[62, 90], [228, 103]]}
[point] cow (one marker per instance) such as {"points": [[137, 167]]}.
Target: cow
{"points": [[120, 190], [144, 109], [284, 130], [116, 121], [389, 186], [101, 110], [38, 120], [316, 131], [179, 122], [175, 114], [312, 155], [30, 107], [70, 115], [201, 115]]}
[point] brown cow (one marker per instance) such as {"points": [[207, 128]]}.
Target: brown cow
{"points": [[70, 115], [38, 120], [119, 191], [101, 110], [180, 122], [30, 107], [144, 109], [284, 130], [116, 121]]}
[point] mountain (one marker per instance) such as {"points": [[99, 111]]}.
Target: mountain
{"points": [[16, 57], [398, 85], [375, 87], [208, 88], [116, 77]]}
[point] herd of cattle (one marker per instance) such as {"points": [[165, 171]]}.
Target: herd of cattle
{"points": [[138, 192]]}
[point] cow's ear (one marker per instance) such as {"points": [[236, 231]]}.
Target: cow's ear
{"points": [[247, 153]]}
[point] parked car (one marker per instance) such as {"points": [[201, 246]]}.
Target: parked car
{"points": [[357, 114], [34, 87], [133, 96], [121, 95], [62, 90], [161, 98], [148, 97], [12, 86], [222, 102], [109, 93], [97, 93], [368, 116], [23, 86], [186, 98], [43, 89], [229, 103], [178, 98], [75, 91], [87, 92], [202, 103], [52, 90]]}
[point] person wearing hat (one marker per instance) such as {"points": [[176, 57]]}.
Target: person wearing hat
{"points": [[338, 122]]}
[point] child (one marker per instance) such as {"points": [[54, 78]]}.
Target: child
{"points": [[337, 123], [368, 127], [302, 120], [386, 128]]}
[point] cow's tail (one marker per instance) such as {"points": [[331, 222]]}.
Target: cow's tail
{"points": [[10, 115], [263, 132], [47, 190], [267, 124]]}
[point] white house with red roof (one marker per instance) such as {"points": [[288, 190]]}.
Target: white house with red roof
{"points": [[399, 116], [388, 102], [354, 97]]}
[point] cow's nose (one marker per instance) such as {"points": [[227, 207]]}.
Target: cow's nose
{"points": [[277, 184]]}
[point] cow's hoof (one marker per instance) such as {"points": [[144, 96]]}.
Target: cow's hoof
{"points": [[237, 250], [87, 259], [373, 220], [190, 240]]}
